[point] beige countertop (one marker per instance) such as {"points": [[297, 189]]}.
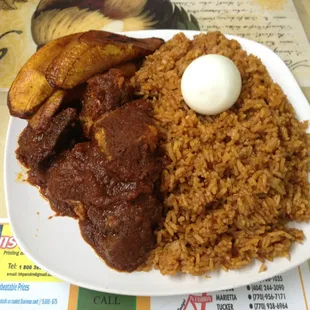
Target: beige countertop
{"points": [[303, 8]]}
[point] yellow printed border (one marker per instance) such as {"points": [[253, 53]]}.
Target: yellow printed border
{"points": [[143, 303], [303, 288], [15, 265], [73, 297]]}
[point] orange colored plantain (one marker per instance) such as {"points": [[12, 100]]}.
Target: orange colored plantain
{"points": [[94, 52], [30, 87], [48, 109]]}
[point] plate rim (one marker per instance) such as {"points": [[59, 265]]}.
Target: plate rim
{"points": [[133, 291]]}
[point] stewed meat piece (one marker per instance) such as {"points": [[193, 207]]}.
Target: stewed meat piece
{"points": [[37, 148], [80, 179], [129, 139], [122, 233], [104, 93], [108, 184]]}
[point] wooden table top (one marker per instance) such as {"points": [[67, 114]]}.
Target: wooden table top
{"points": [[303, 9]]}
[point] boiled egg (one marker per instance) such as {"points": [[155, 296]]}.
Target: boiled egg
{"points": [[211, 84]]}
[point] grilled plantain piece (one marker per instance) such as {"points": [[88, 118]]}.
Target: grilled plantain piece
{"points": [[48, 109], [30, 87], [94, 52], [59, 100]]}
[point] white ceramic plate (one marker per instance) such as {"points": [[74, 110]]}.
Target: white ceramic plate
{"points": [[57, 246]]}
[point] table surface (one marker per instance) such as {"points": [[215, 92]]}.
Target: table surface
{"points": [[303, 9]]}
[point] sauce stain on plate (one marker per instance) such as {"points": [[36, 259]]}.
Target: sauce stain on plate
{"points": [[21, 176], [38, 226]]}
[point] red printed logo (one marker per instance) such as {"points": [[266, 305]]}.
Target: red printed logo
{"points": [[197, 301], [7, 242]]}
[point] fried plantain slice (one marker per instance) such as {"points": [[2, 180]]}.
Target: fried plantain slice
{"points": [[94, 52], [59, 100], [128, 69], [30, 87], [43, 116]]}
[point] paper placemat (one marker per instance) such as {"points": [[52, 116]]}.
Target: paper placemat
{"points": [[25, 24]]}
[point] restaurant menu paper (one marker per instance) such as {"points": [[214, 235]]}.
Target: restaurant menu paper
{"points": [[25, 24], [23, 285]]}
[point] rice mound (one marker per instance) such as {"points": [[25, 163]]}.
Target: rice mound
{"points": [[233, 181]]}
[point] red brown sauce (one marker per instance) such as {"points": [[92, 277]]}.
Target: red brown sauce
{"points": [[99, 164]]}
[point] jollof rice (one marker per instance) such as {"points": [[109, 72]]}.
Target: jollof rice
{"points": [[233, 181]]}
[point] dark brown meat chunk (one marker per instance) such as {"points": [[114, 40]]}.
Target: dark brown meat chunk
{"points": [[108, 184], [104, 93], [123, 233], [36, 148], [128, 138], [80, 177]]}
